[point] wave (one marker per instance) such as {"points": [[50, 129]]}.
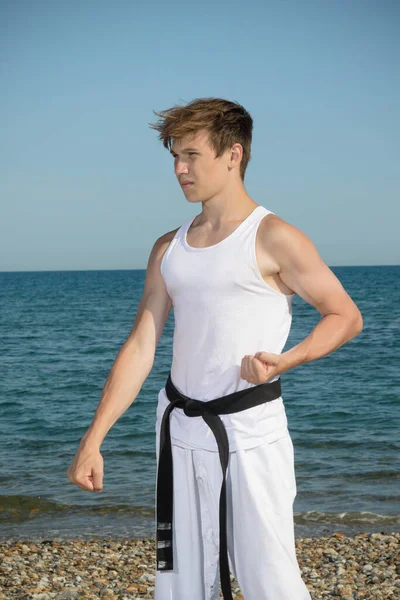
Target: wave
{"points": [[345, 518], [19, 509]]}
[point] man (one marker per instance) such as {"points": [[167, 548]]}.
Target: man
{"points": [[230, 273]]}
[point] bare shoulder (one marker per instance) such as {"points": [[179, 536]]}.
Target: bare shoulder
{"points": [[166, 238], [153, 271], [285, 243], [277, 230], [161, 244]]}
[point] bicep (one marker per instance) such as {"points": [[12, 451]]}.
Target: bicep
{"points": [[155, 304], [304, 271]]}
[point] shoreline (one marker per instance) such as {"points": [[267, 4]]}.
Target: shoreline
{"points": [[81, 523], [360, 566]]}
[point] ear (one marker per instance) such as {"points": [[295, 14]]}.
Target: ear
{"points": [[236, 155]]}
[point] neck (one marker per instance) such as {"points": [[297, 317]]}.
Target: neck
{"points": [[228, 205]]}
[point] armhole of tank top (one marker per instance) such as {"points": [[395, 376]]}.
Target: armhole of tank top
{"points": [[253, 258], [168, 250]]}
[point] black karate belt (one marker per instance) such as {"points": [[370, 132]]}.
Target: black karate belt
{"points": [[209, 411]]}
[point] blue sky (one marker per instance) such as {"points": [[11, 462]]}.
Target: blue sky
{"points": [[86, 184]]}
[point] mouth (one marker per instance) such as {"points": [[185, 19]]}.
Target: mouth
{"points": [[187, 183]]}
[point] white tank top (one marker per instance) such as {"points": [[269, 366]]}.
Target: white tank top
{"points": [[223, 310]]}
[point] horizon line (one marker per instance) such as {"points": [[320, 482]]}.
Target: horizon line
{"points": [[144, 269]]}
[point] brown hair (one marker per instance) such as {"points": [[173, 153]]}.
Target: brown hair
{"points": [[226, 122]]}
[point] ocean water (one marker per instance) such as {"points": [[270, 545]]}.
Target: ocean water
{"points": [[59, 335]]}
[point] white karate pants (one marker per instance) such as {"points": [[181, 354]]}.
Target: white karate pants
{"points": [[261, 488]]}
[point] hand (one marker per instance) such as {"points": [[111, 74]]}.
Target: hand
{"points": [[86, 470], [260, 367]]}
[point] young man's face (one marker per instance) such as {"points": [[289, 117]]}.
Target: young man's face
{"points": [[195, 162]]}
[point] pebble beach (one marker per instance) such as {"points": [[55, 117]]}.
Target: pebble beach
{"points": [[364, 566]]}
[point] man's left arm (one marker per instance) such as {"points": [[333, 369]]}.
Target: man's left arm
{"points": [[302, 269]]}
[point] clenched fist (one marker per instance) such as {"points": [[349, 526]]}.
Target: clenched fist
{"points": [[86, 470], [260, 367]]}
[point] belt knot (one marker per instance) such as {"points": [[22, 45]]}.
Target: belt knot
{"points": [[194, 408]]}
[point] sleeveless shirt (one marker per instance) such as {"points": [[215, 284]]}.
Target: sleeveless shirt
{"points": [[223, 310]]}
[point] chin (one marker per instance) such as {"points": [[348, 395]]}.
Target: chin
{"points": [[194, 201]]}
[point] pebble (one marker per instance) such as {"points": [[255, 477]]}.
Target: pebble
{"points": [[359, 567]]}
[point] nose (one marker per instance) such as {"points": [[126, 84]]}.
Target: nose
{"points": [[180, 167]]}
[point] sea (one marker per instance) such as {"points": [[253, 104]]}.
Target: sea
{"points": [[60, 332]]}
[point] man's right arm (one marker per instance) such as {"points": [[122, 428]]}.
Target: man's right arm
{"points": [[135, 358]]}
